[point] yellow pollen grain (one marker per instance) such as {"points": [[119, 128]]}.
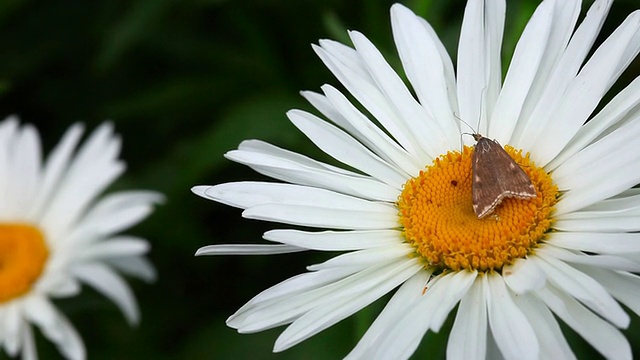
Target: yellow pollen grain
{"points": [[23, 254], [437, 216]]}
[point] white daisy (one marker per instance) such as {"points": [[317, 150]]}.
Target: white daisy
{"points": [[403, 211], [56, 233]]}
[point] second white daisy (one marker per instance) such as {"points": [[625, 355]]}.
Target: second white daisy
{"points": [[57, 233]]}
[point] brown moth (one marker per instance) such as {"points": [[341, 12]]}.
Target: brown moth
{"points": [[496, 177]]}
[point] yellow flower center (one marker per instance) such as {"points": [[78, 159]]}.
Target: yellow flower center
{"points": [[437, 216], [23, 254]]}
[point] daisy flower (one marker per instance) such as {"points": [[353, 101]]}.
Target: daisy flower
{"points": [[401, 210], [56, 232]]}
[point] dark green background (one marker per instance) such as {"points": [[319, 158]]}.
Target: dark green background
{"points": [[184, 82]]}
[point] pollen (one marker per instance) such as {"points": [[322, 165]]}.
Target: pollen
{"points": [[23, 254], [437, 217]]}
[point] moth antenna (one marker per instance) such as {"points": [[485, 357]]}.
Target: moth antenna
{"points": [[466, 123], [464, 133]]}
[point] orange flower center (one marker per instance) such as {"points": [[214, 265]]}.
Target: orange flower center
{"points": [[23, 254], [437, 216]]}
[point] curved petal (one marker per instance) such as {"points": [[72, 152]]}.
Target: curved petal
{"points": [[429, 312], [523, 276], [346, 65], [587, 89], [616, 113], [55, 327], [136, 266], [511, 329], [479, 70], [418, 46], [594, 242], [553, 343], [111, 285], [297, 173], [406, 296], [329, 313], [523, 71], [247, 249], [344, 148], [94, 167], [366, 258], [337, 108], [468, 337], [582, 287], [605, 338], [335, 240], [55, 167], [572, 57]]}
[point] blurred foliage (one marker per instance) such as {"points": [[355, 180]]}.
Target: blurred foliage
{"points": [[184, 82]]}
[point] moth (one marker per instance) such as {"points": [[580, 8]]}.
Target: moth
{"points": [[496, 177]]}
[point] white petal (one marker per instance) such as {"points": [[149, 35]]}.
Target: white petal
{"points": [[602, 243], [298, 284], [29, 351], [550, 337], [92, 170], [625, 287], [615, 113], [606, 149], [479, 74], [116, 247], [57, 164], [406, 296], [564, 72], [442, 295], [368, 257], [111, 285], [258, 146], [582, 287], [614, 262], [588, 88], [377, 217], [468, 337], [510, 327], [250, 194], [346, 65], [330, 313], [523, 276], [271, 314], [12, 327], [459, 285], [417, 46], [369, 134], [627, 203], [565, 15], [247, 249], [286, 170], [25, 159], [522, 72], [605, 338], [614, 224], [614, 154], [114, 213], [8, 131], [136, 266], [55, 327], [345, 148], [335, 240]]}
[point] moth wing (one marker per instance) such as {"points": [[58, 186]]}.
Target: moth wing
{"points": [[485, 188], [514, 182], [496, 176]]}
